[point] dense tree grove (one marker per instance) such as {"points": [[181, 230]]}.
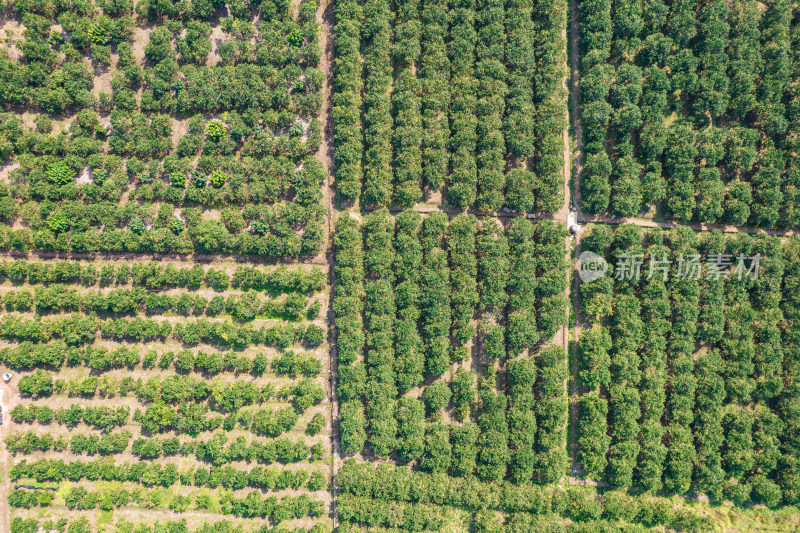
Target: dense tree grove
{"points": [[689, 109], [684, 369], [412, 289], [463, 96]]}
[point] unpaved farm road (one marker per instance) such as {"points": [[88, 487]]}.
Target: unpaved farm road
{"points": [[562, 215], [646, 223], [325, 19], [577, 166], [9, 396]]}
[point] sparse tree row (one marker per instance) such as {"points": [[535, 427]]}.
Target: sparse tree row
{"points": [[218, 395], [685, 369], [74, 413], [82, 525], [189, 418], [28, 355], [79, 330], [160, 400], [472, 81], [422, 292], [272, 508], [244, 307], [218, 451], [155, 474], [154, 275], [688, 110]]}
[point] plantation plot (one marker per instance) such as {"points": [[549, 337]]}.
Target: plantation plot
{"points": [[689, 110], [688, 374], [165, 394], [147, 389], [196, 146], [463, 97], [182, 182], [443, 333]]}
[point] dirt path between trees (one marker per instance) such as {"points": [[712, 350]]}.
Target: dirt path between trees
{"points": [[563, 216], [577, 166], [9, 397], [325, 154], [645, 223]]}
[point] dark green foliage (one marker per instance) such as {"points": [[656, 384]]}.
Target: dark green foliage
{"points": [[462, 94], [682, 367], [681, 82], [435, 297]]}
